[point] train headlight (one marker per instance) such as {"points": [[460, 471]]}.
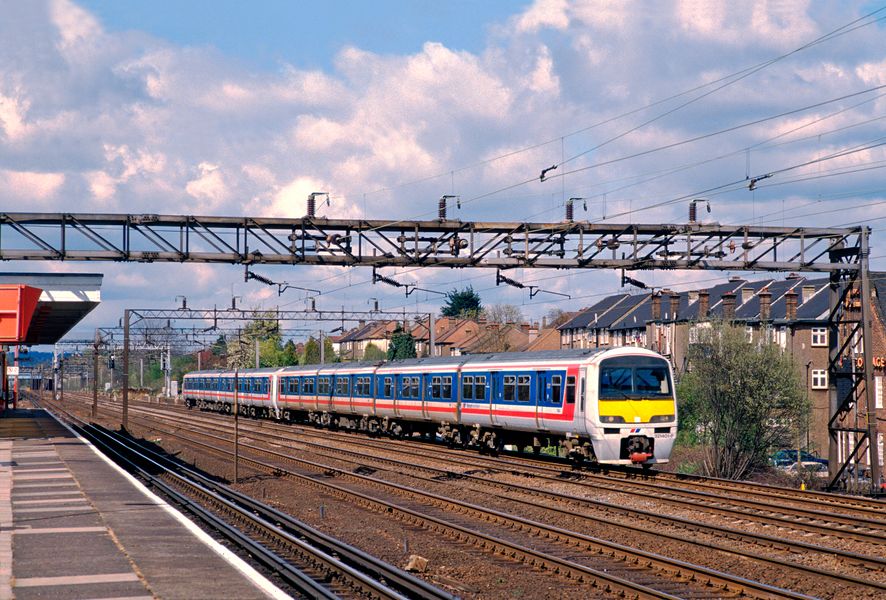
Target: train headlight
{"points": [[662, 419], [611, 419]]}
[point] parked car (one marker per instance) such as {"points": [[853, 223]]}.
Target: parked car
{"points": [[788, 456], [808, 468]]}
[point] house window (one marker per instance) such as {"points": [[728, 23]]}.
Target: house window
{"points": [[819, 379], [878, 391], [819, 336], [510, 388], [749, 331]]}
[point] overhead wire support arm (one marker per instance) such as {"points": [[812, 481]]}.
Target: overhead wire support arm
{"points": [[533, 289], [281, 286]]}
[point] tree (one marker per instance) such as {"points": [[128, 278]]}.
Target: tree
{"points": [[556, 317], [503, 314], [290, 354], [465, 303], [402, 344], [739, 399], [373, 352], [311, 354]]}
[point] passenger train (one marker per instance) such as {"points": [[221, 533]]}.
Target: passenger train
{"points": [[608, 405]]}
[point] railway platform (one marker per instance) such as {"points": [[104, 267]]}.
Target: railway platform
{"points": [[74, 526]]}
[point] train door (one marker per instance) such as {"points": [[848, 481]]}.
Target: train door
{"points": [[428, 380], [401, 390], [579, 421], [495, 391], [542, 397]]}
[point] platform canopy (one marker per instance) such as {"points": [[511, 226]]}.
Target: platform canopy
{"points": [[40, 308]]}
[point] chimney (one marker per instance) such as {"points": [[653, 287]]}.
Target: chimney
{"points": [[765, 305], [792, 276], [675, 306], [790, 303], [544, 322], [656, 306], [746, 294], [729, 306], [808, 292], [693, 296], [703, 304]]}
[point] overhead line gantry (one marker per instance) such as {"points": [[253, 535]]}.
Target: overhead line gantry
{"points": [[843, 253]]}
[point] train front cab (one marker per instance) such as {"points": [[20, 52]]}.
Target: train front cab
{"points": [[635, 417]]}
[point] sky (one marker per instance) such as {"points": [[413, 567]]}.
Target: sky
{"points": [[233, 108]]}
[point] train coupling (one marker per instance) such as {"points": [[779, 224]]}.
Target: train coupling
{"points": [[640, 457]]}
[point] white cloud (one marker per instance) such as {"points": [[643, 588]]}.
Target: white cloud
{"points": [[29, 185], [120, 121], [544, 14]]}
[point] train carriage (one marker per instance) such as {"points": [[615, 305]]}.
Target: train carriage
{"points": [[612, 405]]}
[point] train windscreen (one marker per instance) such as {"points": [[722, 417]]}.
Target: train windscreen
{"points": [[634, 377]]}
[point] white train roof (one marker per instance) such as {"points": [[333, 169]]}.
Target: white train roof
{"points": [[436, 362]]}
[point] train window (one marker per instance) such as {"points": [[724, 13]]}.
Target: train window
{"points": [[308, 385], [389, 387], [581, 394], [293, 385], [480, 387], [404, 387], [435, 387], [363, 386], [414, 389], [323, 385], [556, 389], [467, 387], [651, 380], [510, 388], [615, 382], [447, 387], [570, 389], [341, 386], [523, 388]]}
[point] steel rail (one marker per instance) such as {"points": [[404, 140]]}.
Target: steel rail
{"points": [[728, 533], [126, 452], [596, 545]]}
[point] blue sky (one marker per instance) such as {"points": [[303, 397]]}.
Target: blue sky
{"points": [[243, 108], [308, 34]]}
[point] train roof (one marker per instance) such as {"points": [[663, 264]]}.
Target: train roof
{"points": [[436, 361]]}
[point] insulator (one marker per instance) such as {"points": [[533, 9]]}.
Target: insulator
{"points": [[569, 211], [312, 205], [693, 212], [441, 208]]}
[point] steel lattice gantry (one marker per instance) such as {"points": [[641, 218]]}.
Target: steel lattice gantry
{"points": [[843, 253]]}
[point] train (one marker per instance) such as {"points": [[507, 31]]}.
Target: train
{"points": [[603, 405]]}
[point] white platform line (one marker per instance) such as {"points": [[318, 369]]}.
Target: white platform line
{"points": [[37, 530], [17, 502], [260, 581], [75, 579]]}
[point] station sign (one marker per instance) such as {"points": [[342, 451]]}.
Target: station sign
{"points": [[12, 371]]}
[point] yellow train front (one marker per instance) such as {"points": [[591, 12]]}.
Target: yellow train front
{"points": [[633, 419]]}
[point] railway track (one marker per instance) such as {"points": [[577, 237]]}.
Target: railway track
{"points": [[312, 563], [864, 524], [448, 506]]}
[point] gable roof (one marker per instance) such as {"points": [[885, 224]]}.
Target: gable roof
{"points": [[588, 316]]}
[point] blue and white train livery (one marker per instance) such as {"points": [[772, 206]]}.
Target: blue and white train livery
{"points": [[610, 405]]}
